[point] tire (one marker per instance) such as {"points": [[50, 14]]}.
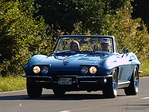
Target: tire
{"points": [[33, 90], [132, 89], [59, 92], [110, 88]]}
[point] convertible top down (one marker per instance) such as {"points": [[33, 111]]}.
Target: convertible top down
{"points": [[83, 62]]}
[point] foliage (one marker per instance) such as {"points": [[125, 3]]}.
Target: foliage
{"points": [[129, 33], [18, 32], [144, 68], [29, 27], [63, 14], [12, 83], [141, 8]]}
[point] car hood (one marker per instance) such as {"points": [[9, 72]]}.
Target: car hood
{"points": [[69, 63], [65, 60], [72, 59]]}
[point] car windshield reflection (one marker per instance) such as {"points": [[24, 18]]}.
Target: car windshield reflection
{"points": [[84, 45]]}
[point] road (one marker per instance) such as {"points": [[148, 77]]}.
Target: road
{"points": [[18, 101]]}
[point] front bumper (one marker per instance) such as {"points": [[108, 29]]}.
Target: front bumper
{"points": [[77, 79], [89, 83]]}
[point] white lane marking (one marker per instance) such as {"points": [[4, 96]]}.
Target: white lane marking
{"points": [[65, 111], [12, 91], [145, 98]]}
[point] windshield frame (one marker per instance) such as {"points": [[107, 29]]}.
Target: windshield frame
{"points": [[114, 47]]}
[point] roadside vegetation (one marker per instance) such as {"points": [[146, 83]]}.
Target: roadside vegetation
{"points": [[144, 68], [29, 27], [12, 83]]}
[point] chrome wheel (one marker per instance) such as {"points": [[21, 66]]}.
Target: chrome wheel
{"points": [[110, 88], [133, 88]]}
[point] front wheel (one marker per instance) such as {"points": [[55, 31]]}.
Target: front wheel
{"points": [[110, 88], [33, 90], [132, 89]]}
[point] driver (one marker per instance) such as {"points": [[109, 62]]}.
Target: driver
{"points": [[74, 45]]}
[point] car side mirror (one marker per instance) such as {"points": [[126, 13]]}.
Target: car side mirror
{"points": [[125, 50]]}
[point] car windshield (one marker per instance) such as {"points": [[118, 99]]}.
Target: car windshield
{"points": [[84, 44]]}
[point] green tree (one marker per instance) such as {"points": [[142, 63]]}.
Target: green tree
{"points": [[18, 32], [23, 32], [140, 10], [63, 14], [129, 33]]}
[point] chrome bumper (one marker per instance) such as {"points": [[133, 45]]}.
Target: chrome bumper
{"points": [[77, 77], [74, 76], [31, 76]]}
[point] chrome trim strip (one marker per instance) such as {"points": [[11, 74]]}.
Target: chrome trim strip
{"points": [[43, 81], [79, 77], [88, 81], [36, 76], [140, 71], [73, 82], [125, 82], [67, 75]]}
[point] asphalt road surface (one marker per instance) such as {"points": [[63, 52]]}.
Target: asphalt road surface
{"points": [[82, 101]]}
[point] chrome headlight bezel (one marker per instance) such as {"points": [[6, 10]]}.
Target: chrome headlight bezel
{"points": [[84, 70], [88, 70], [36, 69], [40, 69], [44, 69], [93, 70]]}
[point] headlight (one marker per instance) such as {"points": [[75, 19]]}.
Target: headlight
{"points": [[92, 70], [36, 69], [44, 70], [84, 70]]}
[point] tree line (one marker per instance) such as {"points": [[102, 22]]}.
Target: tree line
{"points": [[29, 27]]}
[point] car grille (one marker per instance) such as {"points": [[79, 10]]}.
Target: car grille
{"points": [[88, 80], [65, 73]]}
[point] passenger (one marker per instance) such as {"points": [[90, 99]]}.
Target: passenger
{"points": [[74, 46], [105, 44]]}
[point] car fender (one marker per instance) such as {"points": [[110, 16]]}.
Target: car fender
{"points": [[111, 62], [33, 60], [36, 58]]}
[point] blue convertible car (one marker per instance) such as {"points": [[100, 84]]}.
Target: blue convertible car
{"points": [[83, 62]]}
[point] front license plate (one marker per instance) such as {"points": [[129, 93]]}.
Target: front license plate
{"points": [[65, 81]]}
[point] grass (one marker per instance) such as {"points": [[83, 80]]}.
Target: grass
{"points": [[145, 68], [12, 83], [17, 83]]}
